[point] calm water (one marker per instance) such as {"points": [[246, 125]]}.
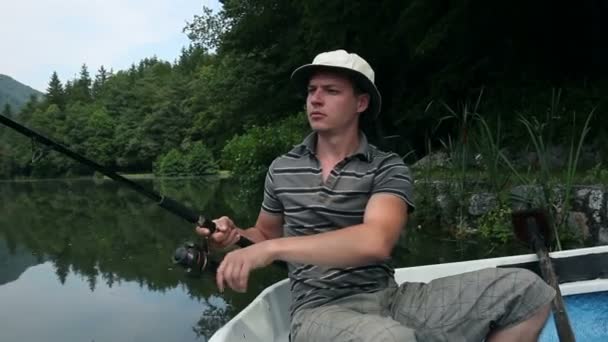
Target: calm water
{"points": [[90, 261], [588, 315]]}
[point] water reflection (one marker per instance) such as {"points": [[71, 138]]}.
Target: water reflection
{"points": [[71, 311], [85, 261], [14, 261]]}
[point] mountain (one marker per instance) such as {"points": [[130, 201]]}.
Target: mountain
{"points": [[14, 93]]}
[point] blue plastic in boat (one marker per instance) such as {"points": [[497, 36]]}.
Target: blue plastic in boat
{"points": [[588, 314]]}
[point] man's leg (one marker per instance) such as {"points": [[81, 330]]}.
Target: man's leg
{"points": [[528, 330], [358, 318], [471, 306]]}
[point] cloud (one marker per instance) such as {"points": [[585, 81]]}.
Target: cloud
{"points": [[40, 37]]}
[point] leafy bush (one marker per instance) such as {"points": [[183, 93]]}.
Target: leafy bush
{"points": [[495, 225], [172, 164], [200, 161], [196, 160], [249, 155]]}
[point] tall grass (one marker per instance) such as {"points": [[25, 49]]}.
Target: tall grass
{"points": [[573, 160], [475, 136], [489, 146], [460, 157], [539, 132]]}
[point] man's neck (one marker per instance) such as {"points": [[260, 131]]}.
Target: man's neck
{"points": [[337, 146]]}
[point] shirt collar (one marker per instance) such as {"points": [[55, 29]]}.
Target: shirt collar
{"points": [[309, 145]]}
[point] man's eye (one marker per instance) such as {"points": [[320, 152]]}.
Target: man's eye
{"points": [[333, 91]]}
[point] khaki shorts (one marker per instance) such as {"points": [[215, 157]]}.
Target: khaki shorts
{"points": [[464, 307]]}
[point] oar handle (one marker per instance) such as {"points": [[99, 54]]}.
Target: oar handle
{"points": [[534, 226]]}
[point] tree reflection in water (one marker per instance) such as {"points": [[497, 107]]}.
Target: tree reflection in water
{"points": [[105, 232]]}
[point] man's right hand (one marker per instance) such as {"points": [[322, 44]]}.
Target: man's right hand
{"points": [[226, 233]]}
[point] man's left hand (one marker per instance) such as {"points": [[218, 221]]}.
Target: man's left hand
{"points": [[235, 268]]}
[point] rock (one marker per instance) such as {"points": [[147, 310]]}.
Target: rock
{"points": [[482, 203], [577, 224], [602, 236], [433, 161], [592, 202], [526, 197], [586, 218], [443, 202]]}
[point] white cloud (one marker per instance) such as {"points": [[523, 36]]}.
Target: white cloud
{"points": [[39, 37]]}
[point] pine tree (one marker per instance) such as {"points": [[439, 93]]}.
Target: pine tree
{"points": [[55, 93], [100, 80], [82, 86], [69, 91]]}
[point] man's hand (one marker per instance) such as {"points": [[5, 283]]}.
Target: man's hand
{"points": [[236, 266], [225, 235]]}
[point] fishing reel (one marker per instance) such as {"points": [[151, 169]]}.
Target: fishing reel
{"points": [[194, 258]]}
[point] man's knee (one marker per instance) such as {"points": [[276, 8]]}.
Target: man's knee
{"points": [[339, 325]]}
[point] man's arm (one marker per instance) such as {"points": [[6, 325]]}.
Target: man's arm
{"points": [[372, 241], [369, 242], [267, 227]]}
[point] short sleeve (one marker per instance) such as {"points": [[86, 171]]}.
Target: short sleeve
{"points": [[395, 178], [271, 203]]}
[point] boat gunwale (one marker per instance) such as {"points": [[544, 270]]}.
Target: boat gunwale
{"points": [[425, 273]]}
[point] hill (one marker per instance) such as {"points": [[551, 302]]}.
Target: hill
{"points": [[14, 93]]}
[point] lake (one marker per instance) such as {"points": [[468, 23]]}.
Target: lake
{"points": [[84, 260]]}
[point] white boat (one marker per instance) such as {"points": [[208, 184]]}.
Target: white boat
{"points": [[266, 319]]}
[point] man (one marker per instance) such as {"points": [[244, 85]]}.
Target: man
{"points": [[333, 209]]}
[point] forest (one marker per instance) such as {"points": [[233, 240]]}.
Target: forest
{"points": [[226, 102]]}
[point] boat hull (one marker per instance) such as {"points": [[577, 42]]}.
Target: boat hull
{"points": [[267, 317]]}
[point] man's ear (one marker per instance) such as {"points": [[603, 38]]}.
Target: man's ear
{"points": [[362, 102]]}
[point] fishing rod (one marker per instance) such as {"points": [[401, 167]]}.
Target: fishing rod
{"points": [[191, 256]]}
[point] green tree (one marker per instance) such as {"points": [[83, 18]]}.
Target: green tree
{"points": [[200, 161], [55, 93], [192, 58], [69, 90], [249, 155], [100, 80], [207, 30], [99, 144], [173, 164], [82, 86]]}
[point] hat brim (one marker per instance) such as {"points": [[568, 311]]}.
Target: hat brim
{"points": [[302, 75]]}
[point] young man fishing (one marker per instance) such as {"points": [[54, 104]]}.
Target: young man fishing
{"points": [[333, 209]]}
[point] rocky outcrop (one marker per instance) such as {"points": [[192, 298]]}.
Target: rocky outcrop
{"points": [[587, 216], [590, 212]]}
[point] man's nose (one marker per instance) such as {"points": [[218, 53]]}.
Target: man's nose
{"points": [[315, 96]]}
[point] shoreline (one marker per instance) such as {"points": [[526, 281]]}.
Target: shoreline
{"points": [[143, 176]]}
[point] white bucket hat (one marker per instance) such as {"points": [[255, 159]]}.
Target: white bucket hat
{"points": [[361, 72]]}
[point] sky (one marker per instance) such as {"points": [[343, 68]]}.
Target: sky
{"points": [[42, 36]]}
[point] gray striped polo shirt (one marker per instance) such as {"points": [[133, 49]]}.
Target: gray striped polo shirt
{"points": [[294, 188]]}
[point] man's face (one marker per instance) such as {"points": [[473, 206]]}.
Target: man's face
{"points": [[331, 103]]}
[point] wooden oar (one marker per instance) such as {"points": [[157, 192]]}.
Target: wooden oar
{"points": [[532, 226]]}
